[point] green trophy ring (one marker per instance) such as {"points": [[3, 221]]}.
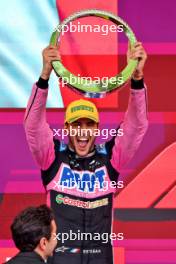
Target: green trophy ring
{"points": [[87, 87]]}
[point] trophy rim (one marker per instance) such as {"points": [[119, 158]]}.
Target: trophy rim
{"points": [[92, 89]]}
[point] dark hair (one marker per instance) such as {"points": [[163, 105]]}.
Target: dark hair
{"points": [[30, 226]]}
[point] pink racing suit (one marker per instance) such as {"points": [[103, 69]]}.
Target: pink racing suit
{"points": [[86, 207]]}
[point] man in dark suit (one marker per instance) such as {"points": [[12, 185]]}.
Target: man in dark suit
{"points": [[34, 233]]}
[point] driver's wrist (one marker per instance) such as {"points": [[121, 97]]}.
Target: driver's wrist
{"points": [[45, 74], [42, 83], [137, 84], [138, 76]]}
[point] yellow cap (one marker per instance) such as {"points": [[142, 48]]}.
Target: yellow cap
{"points": [[81, 109]]}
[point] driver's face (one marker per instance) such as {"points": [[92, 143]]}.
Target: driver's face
{"points": [[83, 141]]}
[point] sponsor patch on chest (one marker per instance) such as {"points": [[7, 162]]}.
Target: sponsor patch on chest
{"points": [[82, 181], [60, 199]]}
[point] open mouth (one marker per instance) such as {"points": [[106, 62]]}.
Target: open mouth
{"points": [[82, 142]]}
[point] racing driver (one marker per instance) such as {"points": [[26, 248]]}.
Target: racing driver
{"points": [[74, 174]]}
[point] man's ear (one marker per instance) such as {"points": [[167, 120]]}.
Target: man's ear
{"points": [[42, 244], [66, 126]]}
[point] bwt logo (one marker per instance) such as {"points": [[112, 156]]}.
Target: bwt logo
{"points": [[84, 181]]}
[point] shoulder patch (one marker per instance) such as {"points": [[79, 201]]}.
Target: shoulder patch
{"points": [[101, 149], [62, 146]]}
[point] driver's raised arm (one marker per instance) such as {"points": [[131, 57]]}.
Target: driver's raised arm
{"points": [[135, 122], [38, 133]]}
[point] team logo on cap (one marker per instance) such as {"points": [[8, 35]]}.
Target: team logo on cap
{"points": [[82, 107]]}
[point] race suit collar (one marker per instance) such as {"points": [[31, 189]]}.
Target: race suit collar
{"points": [[90, 154]]}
